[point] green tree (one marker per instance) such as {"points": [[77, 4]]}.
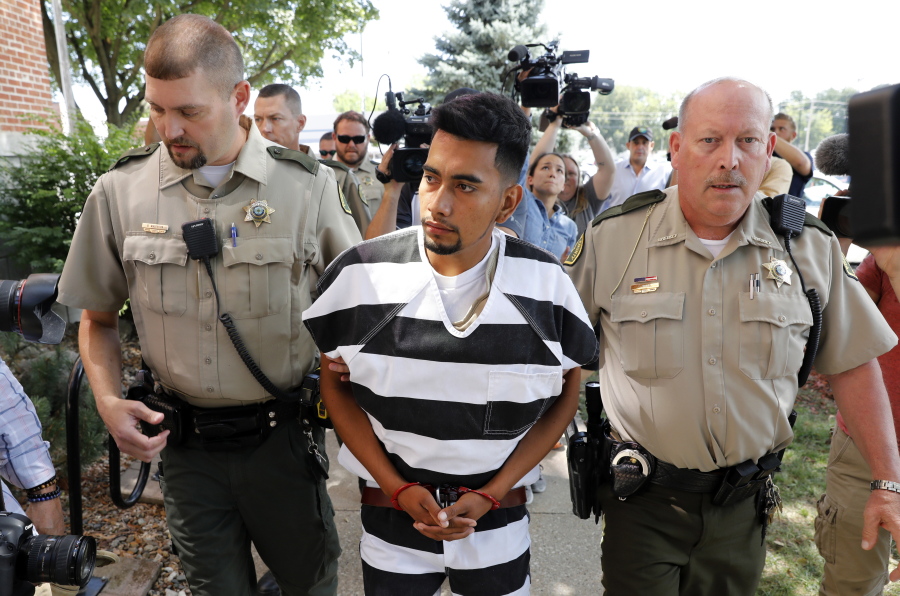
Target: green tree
{"points": [[42, 192], [476, 54], [352, 100], [281, 40], [817, 117], [626, 107]]}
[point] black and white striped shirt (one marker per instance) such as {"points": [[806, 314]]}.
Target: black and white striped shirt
{"points": [[449, 406]]}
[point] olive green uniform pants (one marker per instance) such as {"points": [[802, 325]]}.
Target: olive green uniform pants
{"points": [[667, 542], [218, 502]]}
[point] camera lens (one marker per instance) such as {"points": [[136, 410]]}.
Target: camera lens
{"points": [[66, 560], [9, 305]]}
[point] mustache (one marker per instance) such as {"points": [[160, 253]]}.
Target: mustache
{"points": [[183, 141], [443, 224], [732, 178]]}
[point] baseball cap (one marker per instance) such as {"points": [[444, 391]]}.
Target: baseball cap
{"points": [[640, 131]]}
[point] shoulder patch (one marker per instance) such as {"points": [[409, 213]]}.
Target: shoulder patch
{"points": [[633, 203], [311, 164], [848, 269], [135, 154], [334, 164], [575, 252], [344, 205]]}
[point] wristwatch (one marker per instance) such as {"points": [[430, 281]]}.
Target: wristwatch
{"points": [[382, 177], [890, 485]]}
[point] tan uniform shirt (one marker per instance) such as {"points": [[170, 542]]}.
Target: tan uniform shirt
{"points": [[778, 179], [264, 282], [697, 372], [350, 188], [370, 188]]}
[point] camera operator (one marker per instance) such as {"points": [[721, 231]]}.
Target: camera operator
{"points": [[581, 202], [25, 462]]}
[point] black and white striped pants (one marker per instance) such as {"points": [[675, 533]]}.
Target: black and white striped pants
{"points": [[493, 561]]}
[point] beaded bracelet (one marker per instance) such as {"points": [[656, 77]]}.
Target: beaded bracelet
{"points": [[50, 482], [396, 496], [54, 494], [495, 504]]}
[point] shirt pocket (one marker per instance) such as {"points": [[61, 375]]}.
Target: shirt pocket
{"points": [[774, 328], [651, 333], [516, 401], [257, 279], [160, 263]]}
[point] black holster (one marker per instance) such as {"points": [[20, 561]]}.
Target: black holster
{"points": [[173, 410], [588, 457]]}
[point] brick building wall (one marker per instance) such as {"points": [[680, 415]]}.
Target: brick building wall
{"points": [[24, 73]]}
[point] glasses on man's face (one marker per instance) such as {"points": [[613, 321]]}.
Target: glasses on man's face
{"points": [[325, 153], [344, 139]]}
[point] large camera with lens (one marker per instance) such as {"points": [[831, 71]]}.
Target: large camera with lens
{"points": [[25, 308], [548, 84], [410, 124], [27, 558]]}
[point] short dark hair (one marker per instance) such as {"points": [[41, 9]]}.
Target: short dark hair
{"points": [[488, 118], [326, 137], [353, 117], [783, 116], [291, 97], [189, 42]]}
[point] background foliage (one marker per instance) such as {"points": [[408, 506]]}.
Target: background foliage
{"points": [[281, 40], [43, 191]]}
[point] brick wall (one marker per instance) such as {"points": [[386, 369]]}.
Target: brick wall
{"points": [[24, 73]]}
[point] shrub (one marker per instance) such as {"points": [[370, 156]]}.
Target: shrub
{"points": [[43, 191]]}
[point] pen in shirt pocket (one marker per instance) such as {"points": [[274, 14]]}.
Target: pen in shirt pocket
{"points": [[234, 235]]}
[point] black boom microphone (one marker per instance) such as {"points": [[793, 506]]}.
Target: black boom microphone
{"points": [[833, 155], [389, 127]]}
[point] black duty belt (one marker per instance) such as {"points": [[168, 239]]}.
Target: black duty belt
{"points": [[232, 427], [690, 481]]}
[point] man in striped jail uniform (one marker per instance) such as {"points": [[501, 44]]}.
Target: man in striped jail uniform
{"points": [[463, 346]]}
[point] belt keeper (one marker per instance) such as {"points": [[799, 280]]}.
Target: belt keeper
{"points": [[395, 498], [495, 504]]}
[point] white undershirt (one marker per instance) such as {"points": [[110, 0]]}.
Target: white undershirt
{"points": [[716, 246], [215, 175], [460, 292]]}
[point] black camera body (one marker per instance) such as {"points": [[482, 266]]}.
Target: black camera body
{"points": [[411, 125], [27, 558], [548, 84]]}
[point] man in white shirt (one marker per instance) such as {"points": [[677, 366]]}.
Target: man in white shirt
{"points": [[637, 173]]}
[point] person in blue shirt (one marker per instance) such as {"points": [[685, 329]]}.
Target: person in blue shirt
{"points": [[546, 224]]}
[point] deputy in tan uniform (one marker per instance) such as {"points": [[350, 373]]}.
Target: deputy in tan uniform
{"points": [[249, 472], [351, 139], [701, 370]]}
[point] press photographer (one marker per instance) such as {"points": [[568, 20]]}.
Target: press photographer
{"points": [[33, 544]]}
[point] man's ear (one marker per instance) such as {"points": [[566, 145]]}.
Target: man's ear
{"points": [[512, 196], [241, 94], [674, 146], [301, 120]]}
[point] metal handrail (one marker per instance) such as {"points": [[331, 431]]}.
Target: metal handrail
{"points": [[73, 447]]}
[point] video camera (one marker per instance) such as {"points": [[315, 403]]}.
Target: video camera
{"points": [[27, 558], [870, 154], [412, 126], [548, 85], [25, 308]]}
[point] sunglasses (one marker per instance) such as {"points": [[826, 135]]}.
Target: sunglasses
{"points": [[325, 153], [344, 139]]}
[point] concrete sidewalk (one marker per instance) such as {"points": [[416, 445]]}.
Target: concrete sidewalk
{"points": [[565, 551]]}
